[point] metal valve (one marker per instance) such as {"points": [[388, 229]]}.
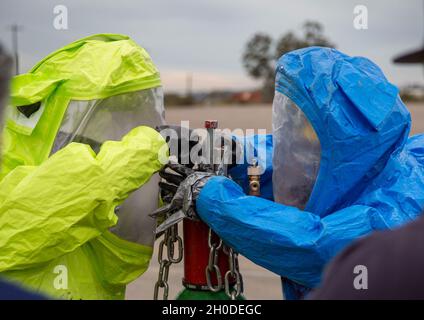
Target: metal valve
{"points": [[254, 173]]}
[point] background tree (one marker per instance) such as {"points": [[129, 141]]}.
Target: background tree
{"points": [[262, 52]]}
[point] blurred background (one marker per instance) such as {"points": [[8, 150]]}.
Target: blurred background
{"points": [[217, 60]]}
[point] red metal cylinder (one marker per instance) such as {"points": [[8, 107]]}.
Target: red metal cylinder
{"points": [[196, 255], [196, 247]]}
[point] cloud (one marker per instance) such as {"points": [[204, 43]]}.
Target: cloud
{"points": [[207, 38]]}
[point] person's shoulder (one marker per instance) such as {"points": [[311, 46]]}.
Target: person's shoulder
{"points": [[388, 261], [11, 291]]}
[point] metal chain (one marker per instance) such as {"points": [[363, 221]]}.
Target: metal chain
{"points": [[233, 292], [173, 239], [169, 240], [212, 266]]}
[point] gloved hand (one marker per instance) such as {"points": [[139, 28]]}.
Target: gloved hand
{"points": [[181, 189], [178, 139], [181, 140]]}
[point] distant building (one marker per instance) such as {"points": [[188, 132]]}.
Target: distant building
{"points": [[247, 97], [214, 98], [412, 93]]}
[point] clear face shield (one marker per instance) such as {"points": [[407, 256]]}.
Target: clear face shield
{"points": [[296, 153], [95, 121]]}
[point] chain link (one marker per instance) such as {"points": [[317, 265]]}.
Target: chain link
{"points": [[173, 239], [233, 292], [212, 266], [170, 239]]}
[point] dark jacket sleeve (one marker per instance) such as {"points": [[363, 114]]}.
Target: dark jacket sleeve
{"points": [[384, 265]]}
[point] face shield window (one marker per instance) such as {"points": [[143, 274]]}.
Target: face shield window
{"points": [[93, 122], [296, 153]]}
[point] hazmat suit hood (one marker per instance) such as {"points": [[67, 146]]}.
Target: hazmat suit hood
{"points": [[80, 125], [93, 68], [369, 174], [356, 114], [95, 89]]}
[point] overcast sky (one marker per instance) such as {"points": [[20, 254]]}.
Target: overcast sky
{"points": [[207, 37]]}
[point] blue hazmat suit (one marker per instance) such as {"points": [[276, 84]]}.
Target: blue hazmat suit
{"points": [[370, 175]]}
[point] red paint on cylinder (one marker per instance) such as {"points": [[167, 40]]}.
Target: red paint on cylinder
{"points": [[196, 254]]}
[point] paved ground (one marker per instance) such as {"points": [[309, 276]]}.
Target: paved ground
{"points": [[259, 283], [254, 116]]}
